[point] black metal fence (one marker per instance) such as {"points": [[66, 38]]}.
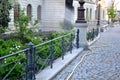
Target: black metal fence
{"points": [[35, 58], [12, 64], [92, 34], [31, 60]]}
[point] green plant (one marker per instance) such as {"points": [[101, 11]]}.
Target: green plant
{"points": [[5, 6], [25, 34], [21, 25], [111, 13], [42, 52], [11, 62], [2, 30], [6, 48]]}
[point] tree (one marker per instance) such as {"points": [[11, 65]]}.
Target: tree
{"points": [[5, 7], [111, 13]]}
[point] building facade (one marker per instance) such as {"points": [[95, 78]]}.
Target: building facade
{"points": [[32, 8], [103, 9], [91, 10], [55, 15], [51, 13]]}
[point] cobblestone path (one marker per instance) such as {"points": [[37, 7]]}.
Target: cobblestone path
{"points": [[103, 64]]}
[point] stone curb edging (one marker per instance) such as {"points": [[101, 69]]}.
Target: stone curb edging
{"points": [[59, 64], [90, 43]]}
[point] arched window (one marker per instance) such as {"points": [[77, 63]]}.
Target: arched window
{"points": [[29, 11], [90, 13], [96, 15], [16, 11], [87, 12], [39, 12]]}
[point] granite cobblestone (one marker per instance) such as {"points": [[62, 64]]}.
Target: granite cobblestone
{"points": [[103, 64]]}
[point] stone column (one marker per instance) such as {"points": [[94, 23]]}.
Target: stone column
{"points": [[82, 25]]}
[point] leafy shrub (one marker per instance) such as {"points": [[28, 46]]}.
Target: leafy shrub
{"points": [[8, 63], [21, 25], [25, 34], [6, 48], [5, 7], [2, 30], [42, 52]]}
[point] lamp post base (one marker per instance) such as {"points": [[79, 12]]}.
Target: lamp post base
{"points": [[82, 35]]}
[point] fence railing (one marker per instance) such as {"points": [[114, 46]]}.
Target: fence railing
{"points": [[92, 31], [14, 65], [92, 34], [24, 64]]}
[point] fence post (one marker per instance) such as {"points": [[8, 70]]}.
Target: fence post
{"points": [[93, 34], [97, 31], [34, 61], [51, 54], [63, 48], [26, 68], [30, 63], [77, 39], [71, 43]]}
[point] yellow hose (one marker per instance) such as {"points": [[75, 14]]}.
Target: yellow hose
{"points": [[86, 54]]}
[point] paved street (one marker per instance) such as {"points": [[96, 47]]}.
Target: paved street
{"points": [[103, 64]]}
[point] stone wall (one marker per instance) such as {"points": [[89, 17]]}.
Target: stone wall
{"points": [[53, 14]]}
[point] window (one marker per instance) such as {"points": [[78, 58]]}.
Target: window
{"points": [[96, 15], [39, 12], [87, 18], [90, 13], [16, 11], [29, 11]]}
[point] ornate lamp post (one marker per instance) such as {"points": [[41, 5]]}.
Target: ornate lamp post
{"points": [[81, 27], [98, 22], [80, 17]]}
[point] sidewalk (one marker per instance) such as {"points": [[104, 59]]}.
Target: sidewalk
{"points": [[103, 64], [59, 64]]}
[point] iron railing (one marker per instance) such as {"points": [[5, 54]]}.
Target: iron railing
{"points": [[24, 64], [92, 34], [12, 64], [92, 31]]}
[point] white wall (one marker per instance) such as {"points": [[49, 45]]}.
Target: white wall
{"points": [[93, 7], [53, 14]]}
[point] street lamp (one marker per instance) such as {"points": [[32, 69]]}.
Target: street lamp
{"points": [[98, 22], [81, 27], [80, 17]]}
